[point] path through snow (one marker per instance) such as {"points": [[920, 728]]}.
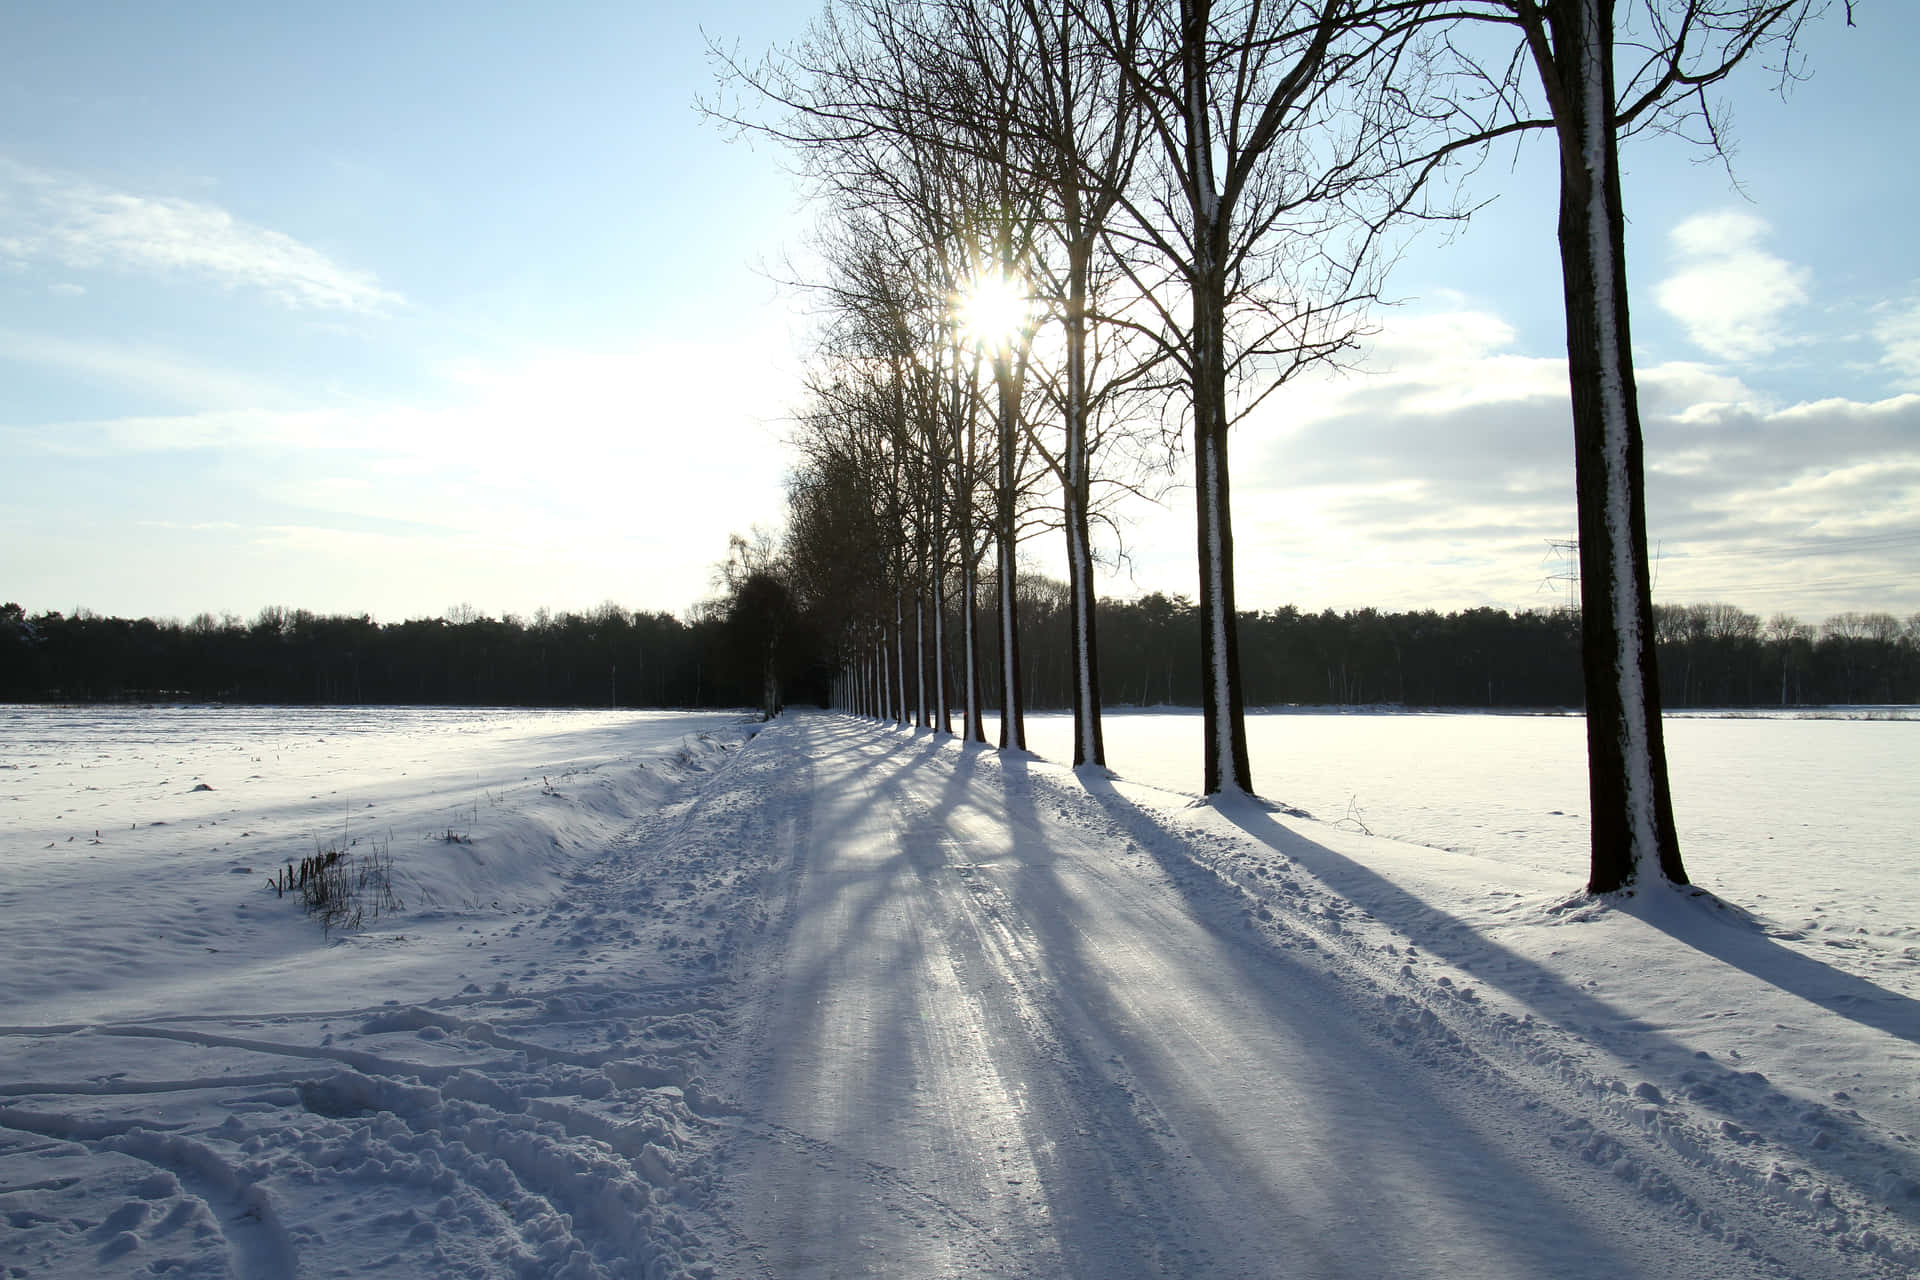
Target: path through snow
{"points": [[1014, 1028], [839, 1000]]}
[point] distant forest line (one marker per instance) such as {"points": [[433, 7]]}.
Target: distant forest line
{"points": [[1710, 655]]}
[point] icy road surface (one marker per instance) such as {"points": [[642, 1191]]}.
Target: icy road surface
{"points": [[1002, 1036]]}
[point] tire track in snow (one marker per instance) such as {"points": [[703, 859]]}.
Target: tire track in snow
{"points": [[1244, 1109], [253, 1237], [556, 1129], [880, 1136], [1442, 1032]]}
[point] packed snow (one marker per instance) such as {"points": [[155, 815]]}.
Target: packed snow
{"points": [[683, 995]]}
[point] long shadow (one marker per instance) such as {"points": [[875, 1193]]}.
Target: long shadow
{"points": [[1725, 1090], [1728, 935], [1088, 1153], [1089, 1186], [1696, 919], [883, 1067], [1098, 1028], [1099, 1236]]}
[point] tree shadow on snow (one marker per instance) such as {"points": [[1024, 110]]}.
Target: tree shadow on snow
{"points": [[1718, 1088], [1698, 919], [1371, 1162]]}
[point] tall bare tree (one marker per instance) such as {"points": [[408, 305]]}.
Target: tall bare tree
{"points": [[1279, 148], [1606, 69], [1085, 128]]}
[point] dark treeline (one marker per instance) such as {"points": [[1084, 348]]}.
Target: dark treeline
{"points": [[604, 657], [1710, 655]]}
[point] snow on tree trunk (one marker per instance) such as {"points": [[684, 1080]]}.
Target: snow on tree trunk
{"points": [[1088, 744], [975, 729], [1223, 710], [901, 715], [1632, 824], [1013, 728], [925, 721], [1222, 706], [1223, 715]]}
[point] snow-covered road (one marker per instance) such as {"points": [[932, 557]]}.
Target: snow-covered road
{"points": [[680, 997], [1004, 1033]]}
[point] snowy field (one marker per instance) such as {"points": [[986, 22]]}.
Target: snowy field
{"points": [[666, 996], [195, 1080], [1792, 814]]}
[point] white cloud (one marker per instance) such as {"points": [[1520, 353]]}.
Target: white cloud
{"points": [[81, 225], [1898, 331], [1728, 293], [541, 478], [1441, 480]]}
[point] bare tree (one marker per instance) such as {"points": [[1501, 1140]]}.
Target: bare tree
{"points": [[1605, 69], [915, 114], [1065, 121], [1277, 139], [1794, 640]]}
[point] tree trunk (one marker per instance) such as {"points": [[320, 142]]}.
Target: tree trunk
{"points": [[1223, 711], [1223, 715], [1089, 746], [902, 715], [968, 449], [920, 658], [970, 635], [941, 696], [1632, 823], [1013, 726]]}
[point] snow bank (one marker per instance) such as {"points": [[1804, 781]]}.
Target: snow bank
{"points": [[501, 1076]]}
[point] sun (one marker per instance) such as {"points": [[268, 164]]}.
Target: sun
{"points": [[994, 308]]}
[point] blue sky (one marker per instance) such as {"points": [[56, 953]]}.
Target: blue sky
{"points": [[402, 307]]}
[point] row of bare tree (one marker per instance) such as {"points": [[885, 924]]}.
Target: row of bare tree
{"points": [[1064, 240]]}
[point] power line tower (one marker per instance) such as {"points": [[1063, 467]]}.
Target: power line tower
{"points": [[1564, 553]]}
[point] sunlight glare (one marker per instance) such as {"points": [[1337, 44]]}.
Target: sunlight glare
{"points": [[994, 309]]}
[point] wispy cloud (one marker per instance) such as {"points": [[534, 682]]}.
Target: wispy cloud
{"points": [[1898, 330], [1728, 292], [145, 367], [80, 225]]}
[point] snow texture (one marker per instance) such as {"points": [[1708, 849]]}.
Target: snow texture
{"points": [[680, 995]]}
